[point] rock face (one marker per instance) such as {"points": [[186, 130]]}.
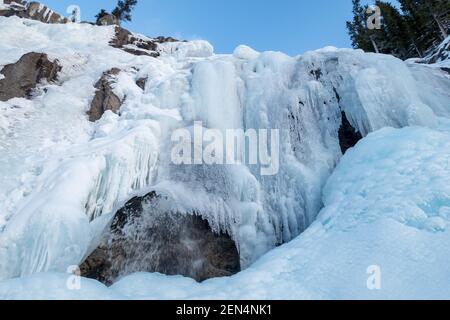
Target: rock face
{"points": [[137, 44], [108, 20], [22, 77], [134, 44], [143, 239], [104, 99], [32, 10], [348, 136]]}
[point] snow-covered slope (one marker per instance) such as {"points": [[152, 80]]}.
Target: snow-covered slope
{"points": [[63, 178]]}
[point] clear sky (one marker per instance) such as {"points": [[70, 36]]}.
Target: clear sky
{"points": [[291, 26]]}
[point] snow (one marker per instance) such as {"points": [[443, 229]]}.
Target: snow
{"points": [[245, 52], [191, 49], [55, 287], [64, 177]]}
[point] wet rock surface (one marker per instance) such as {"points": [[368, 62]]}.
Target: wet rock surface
{"points": [[144, 239], [105, 98], [22, 77]]}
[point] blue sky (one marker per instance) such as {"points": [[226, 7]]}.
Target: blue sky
{"points": [[291, 26]]}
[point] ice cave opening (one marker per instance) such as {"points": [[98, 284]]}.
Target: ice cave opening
{"points": [[145, 236]]}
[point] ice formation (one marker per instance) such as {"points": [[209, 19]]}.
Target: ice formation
{"points": [[387, 206], [63, 177]]}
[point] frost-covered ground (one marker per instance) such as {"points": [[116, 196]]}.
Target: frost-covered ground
{"points": [[62, 177]]}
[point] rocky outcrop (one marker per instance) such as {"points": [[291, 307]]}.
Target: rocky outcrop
{"points": [[348, 136], [134, 44], [144, 239], [32, 10], [22, 77], [137, 44], [105, 98], [108, 20]]}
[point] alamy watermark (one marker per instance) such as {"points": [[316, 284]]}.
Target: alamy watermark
{"points": [[374, 18], [199, 145], [74, 279], [374, 279]]}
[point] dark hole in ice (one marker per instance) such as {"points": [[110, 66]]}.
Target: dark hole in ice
{"points": [[142, 238]]}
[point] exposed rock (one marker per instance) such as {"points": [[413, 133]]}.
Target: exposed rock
{"points": [[161, 39], [141, 83], [22, 77], [108, 20], [134, 44], [143, 239], [105, 98], [33, 10], [348, 136], [317, 74]]}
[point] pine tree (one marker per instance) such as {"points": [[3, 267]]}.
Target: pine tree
{"points": [[357, 28], [418, 28], [396, 38], [100, 15], [123, 9], [426, 20], [440, 11]]}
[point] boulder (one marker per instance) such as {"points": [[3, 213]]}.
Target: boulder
{"points": [[144, 239], [108, 20], [105, 98], [22, 77]]}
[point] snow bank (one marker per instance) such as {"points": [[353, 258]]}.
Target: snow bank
{"points": [[55, 287]]}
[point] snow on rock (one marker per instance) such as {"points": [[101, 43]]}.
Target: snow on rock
{"points": [[190, 49], [63, 177], [439, 56], [30, 10]]}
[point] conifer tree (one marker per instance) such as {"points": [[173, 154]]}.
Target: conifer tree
{"points": [[419, 27], [123, 9], [100, 15], [357, 28]]}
